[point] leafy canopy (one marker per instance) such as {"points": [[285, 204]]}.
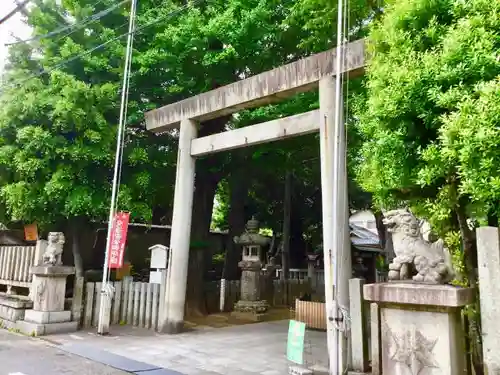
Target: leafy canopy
{"points": [[430, 115]]}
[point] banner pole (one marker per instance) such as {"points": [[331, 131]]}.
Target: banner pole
{"points": [[101, 327]]}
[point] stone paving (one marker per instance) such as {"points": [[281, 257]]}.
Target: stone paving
{"points": [[244, 350], [21, 355]]}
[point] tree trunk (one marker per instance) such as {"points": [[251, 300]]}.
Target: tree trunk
{"points": [[238, 190], [470, 261], [287, 211], [298, 247], [382, 234], [493, 219], [389, 248], [75, 228], [206, 182], [76, 225], [202, 215], [469, 246]]}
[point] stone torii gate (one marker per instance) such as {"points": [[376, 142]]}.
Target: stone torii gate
{"points": [[268, 87]]}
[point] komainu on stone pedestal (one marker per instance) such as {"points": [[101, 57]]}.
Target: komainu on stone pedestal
{"points": [[416, 259], [53, 253]]}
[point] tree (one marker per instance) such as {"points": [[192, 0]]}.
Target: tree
{"points": [[429, 116], [180, 50], [57, 138]]}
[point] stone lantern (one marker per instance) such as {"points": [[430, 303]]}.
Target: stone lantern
{"points": [[251, 306]]}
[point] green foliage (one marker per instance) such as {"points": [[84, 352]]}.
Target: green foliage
{"points": [[52, 140], [57, 131], [430, 115], [69, 116]]}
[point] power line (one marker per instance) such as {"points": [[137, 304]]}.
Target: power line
{"points": [[78, 25], [18, 8], [23, 10], [85, 53]]}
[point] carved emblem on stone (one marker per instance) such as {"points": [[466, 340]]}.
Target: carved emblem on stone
{"points": [[53, 253], [413, 350], [37, 294], [416, 259]]}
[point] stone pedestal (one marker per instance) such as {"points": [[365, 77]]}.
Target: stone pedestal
{"points": [[250, 306], [421, 331], [13, 308], [48, 315]]}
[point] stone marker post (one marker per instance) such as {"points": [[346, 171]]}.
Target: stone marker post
{"points": [[488, 259], [160, 261]]}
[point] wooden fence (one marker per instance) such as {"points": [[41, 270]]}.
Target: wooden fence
{"points": [[313, 314], [138, 303]]}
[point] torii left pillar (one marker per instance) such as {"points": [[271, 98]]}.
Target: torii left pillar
{"points": [[172, 316]]}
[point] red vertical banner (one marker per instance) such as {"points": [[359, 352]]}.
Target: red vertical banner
{"points": [[118, 239]]}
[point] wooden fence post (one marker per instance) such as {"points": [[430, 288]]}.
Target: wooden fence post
{"points": [[77, 301], [117, 302], [89, 301], [149, 289]]}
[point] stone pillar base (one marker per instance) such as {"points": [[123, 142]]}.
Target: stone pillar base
{"points": [[250, 310], [52, 325], [13, 308], [48, 315], [421, 328]]}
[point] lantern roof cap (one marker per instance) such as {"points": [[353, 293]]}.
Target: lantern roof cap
{"points": [[251, 236]]}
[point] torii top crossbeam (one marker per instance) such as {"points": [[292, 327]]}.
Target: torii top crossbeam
{"points": [[264, 88]]}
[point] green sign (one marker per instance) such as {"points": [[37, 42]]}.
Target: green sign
{"points": [[295, 344]]}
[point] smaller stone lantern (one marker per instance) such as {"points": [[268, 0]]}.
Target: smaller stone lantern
{"points": [[251, 306]]}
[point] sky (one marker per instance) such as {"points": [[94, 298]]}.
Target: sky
{"points": [[13, 25]]}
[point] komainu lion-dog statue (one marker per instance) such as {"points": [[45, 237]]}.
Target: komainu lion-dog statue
{"points": [[54, 250], [416, 259]]}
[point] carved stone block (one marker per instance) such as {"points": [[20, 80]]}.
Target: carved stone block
{"points": [[421, 330], [49, 294], [421, 342], [49, 287]]}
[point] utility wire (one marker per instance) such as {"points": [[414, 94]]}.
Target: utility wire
{"points": [[76, 26], [88, 52], [17, 9]]}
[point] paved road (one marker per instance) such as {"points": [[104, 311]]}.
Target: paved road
{"points": [[20, 355]]}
